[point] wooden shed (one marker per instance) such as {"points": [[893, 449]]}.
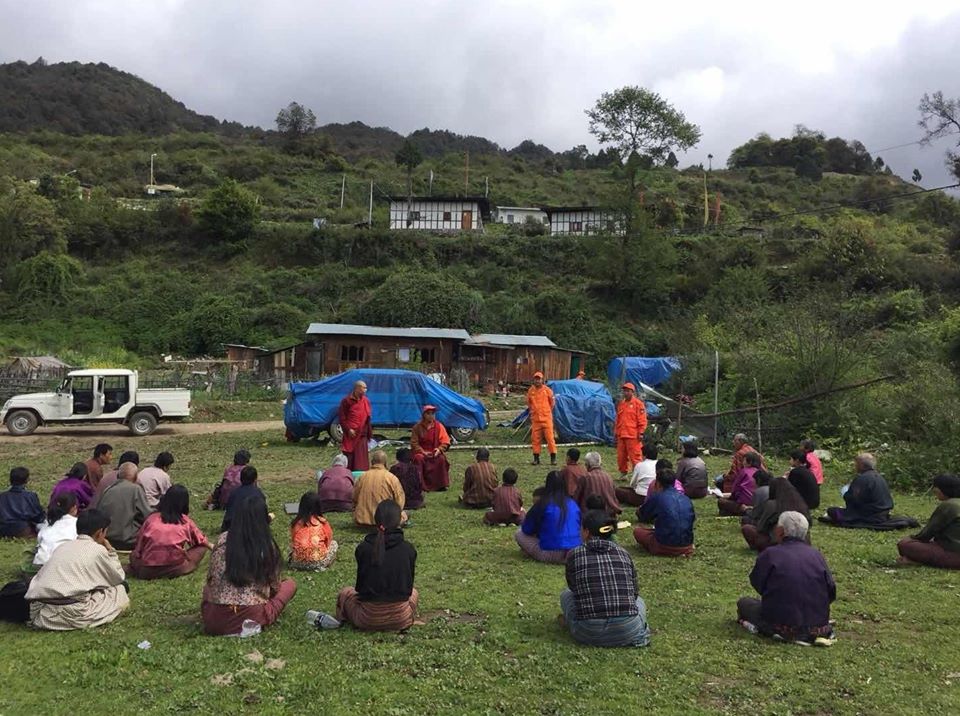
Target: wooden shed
{"points": [[335, 347], [495, 358]]}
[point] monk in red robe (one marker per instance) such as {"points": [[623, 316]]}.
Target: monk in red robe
{"points": [[354, 416], [429, 441]]}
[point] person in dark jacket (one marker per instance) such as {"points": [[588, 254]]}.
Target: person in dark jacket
{"points": [[409, 476], [868, 500], [672, 515], [758, 528], [692, 471], [938, 543], [20, 510], [384, 598], [802, 478], [796, 588], [248, 488], [600, 605]]}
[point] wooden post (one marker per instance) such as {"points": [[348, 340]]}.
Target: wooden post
{"points": [[756, 387], [466, 174], [716, 394], [343, 188], [370, 212]]}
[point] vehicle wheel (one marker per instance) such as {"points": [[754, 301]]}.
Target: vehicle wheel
{"points": [[463, 435], [335, 431], [21, 422], [141, 424]]}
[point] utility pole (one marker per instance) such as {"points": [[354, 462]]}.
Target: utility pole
{"points": [[709, 162], [370, 212], [486, 187], [466, 175], [430, 190], [151, 168], [343, 188]]}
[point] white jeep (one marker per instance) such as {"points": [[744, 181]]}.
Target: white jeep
{"points": [[97, 396]]}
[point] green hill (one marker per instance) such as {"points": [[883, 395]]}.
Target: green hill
{"points": [[801, 284]]}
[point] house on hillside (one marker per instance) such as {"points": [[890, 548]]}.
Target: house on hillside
{"points": [[520, 215], [162, 190], [492, 358], [582, 220], [245, 357], [440, 213], [336, 347]]}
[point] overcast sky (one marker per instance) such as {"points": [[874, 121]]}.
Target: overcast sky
{"points": [[510, 71]]}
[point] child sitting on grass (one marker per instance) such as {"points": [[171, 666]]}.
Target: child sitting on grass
{"points": [[312, 546], [507, 502]]}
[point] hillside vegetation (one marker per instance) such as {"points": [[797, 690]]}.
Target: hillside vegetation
{"points": [[801, 284]]}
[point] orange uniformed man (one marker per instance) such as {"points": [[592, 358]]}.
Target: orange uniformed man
{"points": [[629, 428], [540, 401]]}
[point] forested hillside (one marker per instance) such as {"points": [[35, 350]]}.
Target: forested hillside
{"points": [[802, 283]]}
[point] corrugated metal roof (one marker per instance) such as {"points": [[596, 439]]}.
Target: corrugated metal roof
{"points": [[346, 329], [500, 339]]}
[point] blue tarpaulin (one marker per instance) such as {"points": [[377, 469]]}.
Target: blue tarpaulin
{"points": [[636, 370], [396, 396], [584, 411]]}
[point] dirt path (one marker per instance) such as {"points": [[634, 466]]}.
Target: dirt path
{"points": [[164, 430]]}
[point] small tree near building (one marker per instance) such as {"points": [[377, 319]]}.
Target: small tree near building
{"points": [[229, 214]]}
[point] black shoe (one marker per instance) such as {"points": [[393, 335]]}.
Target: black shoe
{"points": [[536, 460], [553, 458]]}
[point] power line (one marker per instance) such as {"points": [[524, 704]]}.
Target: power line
{"points": [[910, 144]]}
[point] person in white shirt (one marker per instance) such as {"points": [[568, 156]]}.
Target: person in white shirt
{"points": [[59, 527], [644, 474], [155, 480]]}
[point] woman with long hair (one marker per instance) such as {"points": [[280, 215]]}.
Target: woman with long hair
{"points": [[783, 498], [312, 546], [552, 526], [384, 598], [169, 544], [243, 580]]}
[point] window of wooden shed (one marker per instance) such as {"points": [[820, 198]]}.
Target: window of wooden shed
{"points": [[352, 353]]}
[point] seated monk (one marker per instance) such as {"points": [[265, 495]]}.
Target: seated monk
{"points": [[429, 441], [795, 586], [384, 598], [938, 543], [868, 500], [82, 584]]}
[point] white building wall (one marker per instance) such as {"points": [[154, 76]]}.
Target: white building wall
{"points": [[583, 222], [427, 215], [519, 215]]}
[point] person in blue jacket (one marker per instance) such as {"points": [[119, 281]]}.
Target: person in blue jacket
{"points": [[552, 526]]}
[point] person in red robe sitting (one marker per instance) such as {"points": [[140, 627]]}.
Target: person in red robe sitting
{"points": [[354, 416], [429, 441]]}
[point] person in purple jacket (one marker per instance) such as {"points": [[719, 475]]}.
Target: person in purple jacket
{"points": [[795, 587], [74, 481]]}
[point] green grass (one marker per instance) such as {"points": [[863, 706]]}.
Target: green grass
{"points": [[491, 643]]}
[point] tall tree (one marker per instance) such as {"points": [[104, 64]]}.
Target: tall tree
{"points": [[940, 117], [409, 157], [296, 121], [636, 120]]}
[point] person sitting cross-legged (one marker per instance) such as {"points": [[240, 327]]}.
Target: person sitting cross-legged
{"points": [[552, 526], [373, 487], [479, 481], [408, 474], [335, 486], [507, 502], [312, 546], [867, 499], [169, 544], [672, 515], [600, 606], [596, 481], [126, 504], [20, 510], [740, 498], [938, 543], [384, 598], [796, 588], [82, 585], [643, 476], [758, 527], [243, 577]]}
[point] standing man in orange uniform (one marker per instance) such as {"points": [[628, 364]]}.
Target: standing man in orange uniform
{"points": [[629, 428], [540, 401]]}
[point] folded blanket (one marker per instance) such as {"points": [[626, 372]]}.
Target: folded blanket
{"points": [[893, 522]]}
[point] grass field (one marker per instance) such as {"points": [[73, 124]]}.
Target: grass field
{"points": [[491, 643]]}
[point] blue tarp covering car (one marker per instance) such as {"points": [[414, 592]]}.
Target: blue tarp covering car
{"points": [[396, 396], [638, 369], [584, 411]]}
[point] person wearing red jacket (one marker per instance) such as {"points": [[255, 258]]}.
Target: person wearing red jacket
{"points": [[355, 415], [629, 428]]}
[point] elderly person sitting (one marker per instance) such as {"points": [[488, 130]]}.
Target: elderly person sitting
{"points": [[741, 448], [125, 503], [868, 499], [335, 486], [795, 587], [938, 543], [597, 481], [373, 487]]}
